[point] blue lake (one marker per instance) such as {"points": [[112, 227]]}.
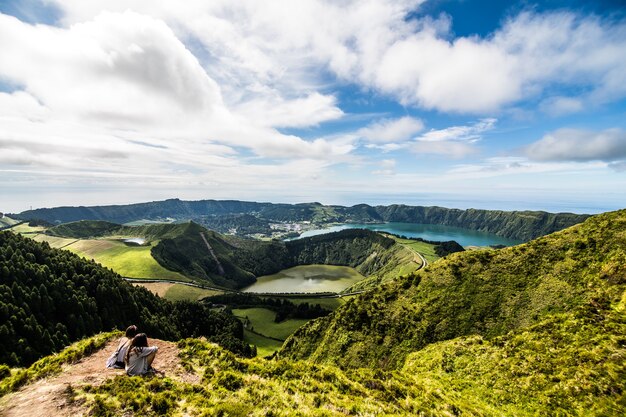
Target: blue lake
{"points": [[435, 232]]}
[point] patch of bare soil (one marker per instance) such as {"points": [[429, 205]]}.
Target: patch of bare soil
{"points": [[48, 397]]}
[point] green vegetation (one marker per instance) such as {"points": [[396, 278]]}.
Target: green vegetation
{"points": [[52, 365], [6, 221], [241, 260], [488, 293], [427, 250], [263, 322], [537, 329], [128, 261], [178, 292], [83, 229], [51, 297], [562, 366], [264, 345], [26, 229], [522, 225]]}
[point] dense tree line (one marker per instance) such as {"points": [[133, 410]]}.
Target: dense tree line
{"points": [[50, 298], [284, 309]]}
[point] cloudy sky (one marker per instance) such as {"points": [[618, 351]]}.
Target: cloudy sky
{"points": [[430, 102]]}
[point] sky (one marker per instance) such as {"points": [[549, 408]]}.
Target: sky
{"points": [[458, 103]]}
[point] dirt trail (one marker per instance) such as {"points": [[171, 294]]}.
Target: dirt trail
{"points": [[47, 397]]}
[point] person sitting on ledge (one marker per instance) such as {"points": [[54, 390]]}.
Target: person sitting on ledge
{"points": [[140, 356], [116, 360]]}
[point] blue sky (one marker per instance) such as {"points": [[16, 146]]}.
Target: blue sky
{"points": [[506, 105]]}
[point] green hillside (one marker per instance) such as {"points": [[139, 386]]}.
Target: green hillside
{"points": [[534, 330], [6, 222], [487, 293]]}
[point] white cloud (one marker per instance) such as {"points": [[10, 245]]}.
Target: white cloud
{"points": [[454, 141], [558, 106], [285, 45], [579, 145], [275, 111], [470, 133], [386, 167], [392, 130], [125, 79], [450, 149]]}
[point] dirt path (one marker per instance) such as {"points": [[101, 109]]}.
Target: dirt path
{"points": [[47, 397]]}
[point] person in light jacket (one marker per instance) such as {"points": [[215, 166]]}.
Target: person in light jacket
{"points": [[116, 360], [140, 356]]}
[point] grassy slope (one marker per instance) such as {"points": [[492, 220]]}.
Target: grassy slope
{"points": [[53, 241], [264, 345], [184, 292], [7, 222], [486, 293], [262, 322], [128, 261], [561, 366], [426, 249]]}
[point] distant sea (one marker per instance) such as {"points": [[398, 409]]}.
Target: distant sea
{"points": [[463, 202]]}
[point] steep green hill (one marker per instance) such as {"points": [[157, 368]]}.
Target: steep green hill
{"points": [[521, 225], [50, 297], [243, 260], [486, 293]]}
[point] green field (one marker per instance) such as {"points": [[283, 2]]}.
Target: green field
{"points": [[262, 321], [53, 241], [25, 229], [329, 303], [427, 250], [7, 222], [128, 261], [179, 292], [264, 346]]}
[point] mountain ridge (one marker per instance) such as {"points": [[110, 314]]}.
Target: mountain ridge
{"points": [[522, 225]]}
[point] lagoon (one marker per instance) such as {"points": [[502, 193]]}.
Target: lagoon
{"points": [[434, 232], [307, 279]]}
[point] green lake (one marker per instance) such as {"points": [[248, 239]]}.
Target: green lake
{"points": [[307, 279]]}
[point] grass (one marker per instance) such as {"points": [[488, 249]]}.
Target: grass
{"points": [[425, 249], [179, 292], [53, 241], [52, 365], [25, 229], [262, 321], [128, 261], [264, 346], [7, 222], [329, 303]]}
